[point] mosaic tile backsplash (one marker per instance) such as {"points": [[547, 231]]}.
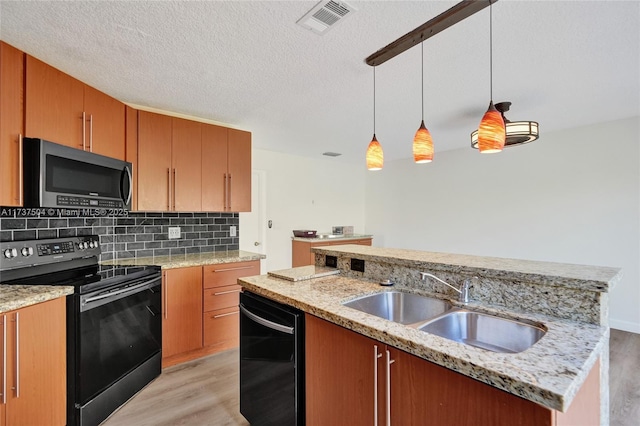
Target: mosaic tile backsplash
{"points": [[133, 235]]}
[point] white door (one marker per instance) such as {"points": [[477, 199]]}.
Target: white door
{"points": [[253, 225]]}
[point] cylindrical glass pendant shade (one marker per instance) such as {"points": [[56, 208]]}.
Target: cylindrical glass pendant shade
{"points": [[422, 145], [491, 132], [375, 157]]}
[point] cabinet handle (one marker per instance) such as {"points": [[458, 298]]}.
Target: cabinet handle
{"points": [[17, 375], [84, 131], [388, 390], [237, 268], [229, 197], [166, 296], [226, 292], [376, 356], [21, 170], [225, 192], [168, 189], [224, 315], [90, 132], [4, 359], [174, 189]]}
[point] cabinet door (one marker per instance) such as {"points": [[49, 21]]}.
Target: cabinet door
{"points": [[423, 390], [214, 168], [104, 126], [182, 316], [154, 161], [11, 124], [54, 104], [36, 337], [239, 168], [186, 165], [340, 375], [131, 151]]}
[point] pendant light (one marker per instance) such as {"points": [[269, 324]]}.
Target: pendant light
{"points": [[518, 132], [375, 156], [422, 141], [491, 132]]}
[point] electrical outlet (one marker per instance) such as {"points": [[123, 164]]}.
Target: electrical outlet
{"points": [[357, 265], [232, 231], [174, 232]]}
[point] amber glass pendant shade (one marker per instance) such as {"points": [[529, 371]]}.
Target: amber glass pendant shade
{"points": [[422, 145], [491, 132], [375, 157]]}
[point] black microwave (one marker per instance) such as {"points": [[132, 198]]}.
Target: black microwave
{"points": [[58, 176]]}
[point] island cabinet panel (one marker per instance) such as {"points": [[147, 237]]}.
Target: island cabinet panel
{"points": [[35, 360], [347, 382], [186, 173], [301, 254], [182, 310], [11, 124], [585, 408], [154, 161], [64, 110]]}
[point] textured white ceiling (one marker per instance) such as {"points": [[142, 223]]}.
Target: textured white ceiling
{"points": [[247, 64]]}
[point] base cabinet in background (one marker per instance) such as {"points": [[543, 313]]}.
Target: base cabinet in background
{"points": [[36, 364], [301, 254], [201, 314], [352, 379]]}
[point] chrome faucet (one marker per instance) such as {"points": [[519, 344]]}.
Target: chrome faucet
{"points": [[463, 291]]}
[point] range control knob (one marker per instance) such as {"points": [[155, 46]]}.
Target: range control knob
{"points": [[26, 251], [92, 244], [85, 245], [9, 253]]}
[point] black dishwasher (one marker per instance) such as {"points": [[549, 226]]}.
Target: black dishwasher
{"points": [[271, 362]]}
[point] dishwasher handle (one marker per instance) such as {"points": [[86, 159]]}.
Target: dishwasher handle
{"points": [[269, 324]]}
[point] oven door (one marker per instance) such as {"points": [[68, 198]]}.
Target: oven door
{"points": [[117, 329]]}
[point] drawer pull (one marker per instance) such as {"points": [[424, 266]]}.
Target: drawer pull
{"points": [[220, 293], [224, 315], [238, 268]]}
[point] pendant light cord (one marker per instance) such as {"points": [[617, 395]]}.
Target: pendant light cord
{"points": [[374, 100], [491, 50], [422, 79]]}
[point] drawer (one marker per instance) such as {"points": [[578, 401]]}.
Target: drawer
{"points": [[222, 328], [226, 274], [221, 297]]}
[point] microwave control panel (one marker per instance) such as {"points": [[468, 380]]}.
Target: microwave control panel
{"points": [[66, 200]]}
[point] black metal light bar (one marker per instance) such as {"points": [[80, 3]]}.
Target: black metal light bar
{"points": [[450, 17]]}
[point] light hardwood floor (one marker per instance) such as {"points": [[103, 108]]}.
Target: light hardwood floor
{"points": [[205, 391]]}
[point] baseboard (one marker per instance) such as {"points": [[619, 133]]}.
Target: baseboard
{"points": [[632, 327]]}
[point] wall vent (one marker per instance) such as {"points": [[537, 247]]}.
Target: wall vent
{"points": [[325, 15]]}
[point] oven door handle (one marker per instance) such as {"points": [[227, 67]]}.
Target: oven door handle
{"points": [[269, 324], [132, 289]]}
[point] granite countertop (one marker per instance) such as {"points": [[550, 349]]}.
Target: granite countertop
{"points": [[184, 261], [303, 273], [333, 238], [19, 296], [549, 373]]}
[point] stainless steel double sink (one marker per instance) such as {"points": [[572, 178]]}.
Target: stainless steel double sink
{"points": [[439, 317]]}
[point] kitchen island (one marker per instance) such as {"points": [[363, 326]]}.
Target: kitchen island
{"points": [[569, 300]]}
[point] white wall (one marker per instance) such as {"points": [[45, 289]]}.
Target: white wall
{"points": [[572, 196], [307, 193]]}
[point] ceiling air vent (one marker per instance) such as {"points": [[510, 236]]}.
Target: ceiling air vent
{"points": [[325, 15]]}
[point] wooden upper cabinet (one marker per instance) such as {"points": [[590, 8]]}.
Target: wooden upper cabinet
{"points": [[154, 161], [64, 110], [186, 165], [131, 149], [214, 168], [11, 124], [54, 104], [105, 127], [239, 169]]}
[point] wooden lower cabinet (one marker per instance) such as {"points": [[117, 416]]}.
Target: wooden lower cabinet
{"points": [[36, 375], [201, 310], [347, 382], [301, 254], [182, 316]]}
